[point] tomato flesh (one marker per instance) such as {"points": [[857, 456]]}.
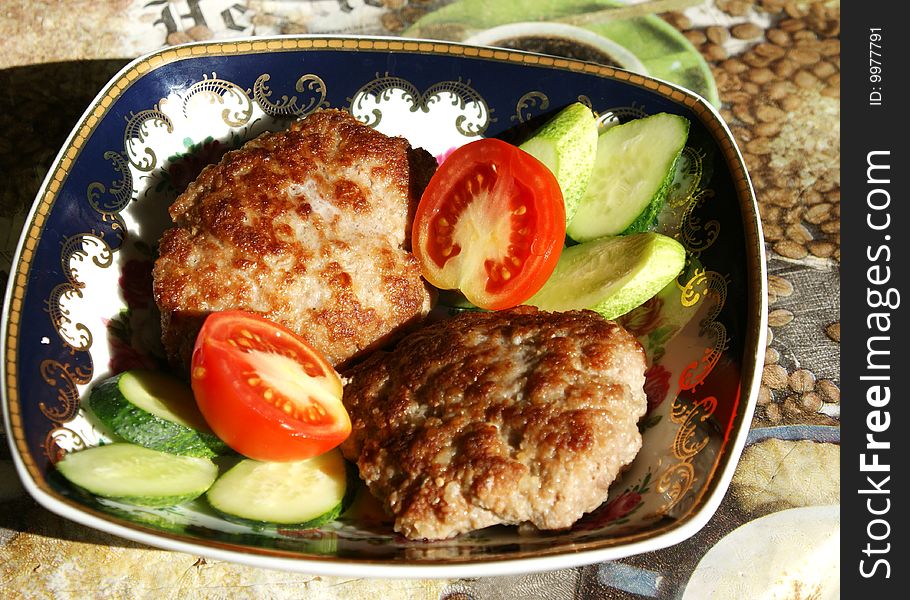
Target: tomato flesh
{"points": [[264, 391], [491, 223]]}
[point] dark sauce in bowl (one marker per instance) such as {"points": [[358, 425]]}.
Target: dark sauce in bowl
{"points": [[558, 46]]}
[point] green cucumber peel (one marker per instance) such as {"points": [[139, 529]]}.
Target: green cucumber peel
{"points": [[611, 275], [567, 146], [155, 410]]}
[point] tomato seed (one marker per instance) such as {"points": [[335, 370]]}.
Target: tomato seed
{"points": [[520, 210], [199, 372], [268, 393], [246, 333], [312, 369]]}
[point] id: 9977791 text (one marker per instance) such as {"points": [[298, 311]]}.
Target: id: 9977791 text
{"points": [[875, 66]]}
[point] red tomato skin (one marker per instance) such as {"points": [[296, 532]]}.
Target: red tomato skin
{"points": [[548, 207], [245, 422]]}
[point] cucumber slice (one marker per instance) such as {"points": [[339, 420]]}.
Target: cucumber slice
{"points": [[611, 275], [157, 411], [633, 170], [567, 145], [137, 475], [301, 494]]}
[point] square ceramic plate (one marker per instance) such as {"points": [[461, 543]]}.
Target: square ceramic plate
{"points": [[79, 308]]}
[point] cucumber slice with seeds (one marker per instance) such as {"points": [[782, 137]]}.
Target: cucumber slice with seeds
{"points": [[157, 411], [299, 494], [633, 169], [611, 275], [137, 475], [567, 145]]}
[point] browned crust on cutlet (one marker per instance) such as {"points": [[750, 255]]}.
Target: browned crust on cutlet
{"points": [[501, 417], [300, 149], [309, 227]]}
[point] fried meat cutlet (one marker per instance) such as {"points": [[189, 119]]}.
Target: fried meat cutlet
{"points": [[497, 418], [309, 227]]}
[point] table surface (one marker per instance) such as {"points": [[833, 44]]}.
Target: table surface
{"points": [[776, 67]]}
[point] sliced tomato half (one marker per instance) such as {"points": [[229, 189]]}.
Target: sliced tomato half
{"points": [[264, 391], [491, 223]]}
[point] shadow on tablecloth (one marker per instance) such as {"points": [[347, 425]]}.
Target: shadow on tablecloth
{"points": [[39, 106]]}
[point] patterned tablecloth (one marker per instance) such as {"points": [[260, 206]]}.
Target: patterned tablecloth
{"points": [[774, 71]]}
